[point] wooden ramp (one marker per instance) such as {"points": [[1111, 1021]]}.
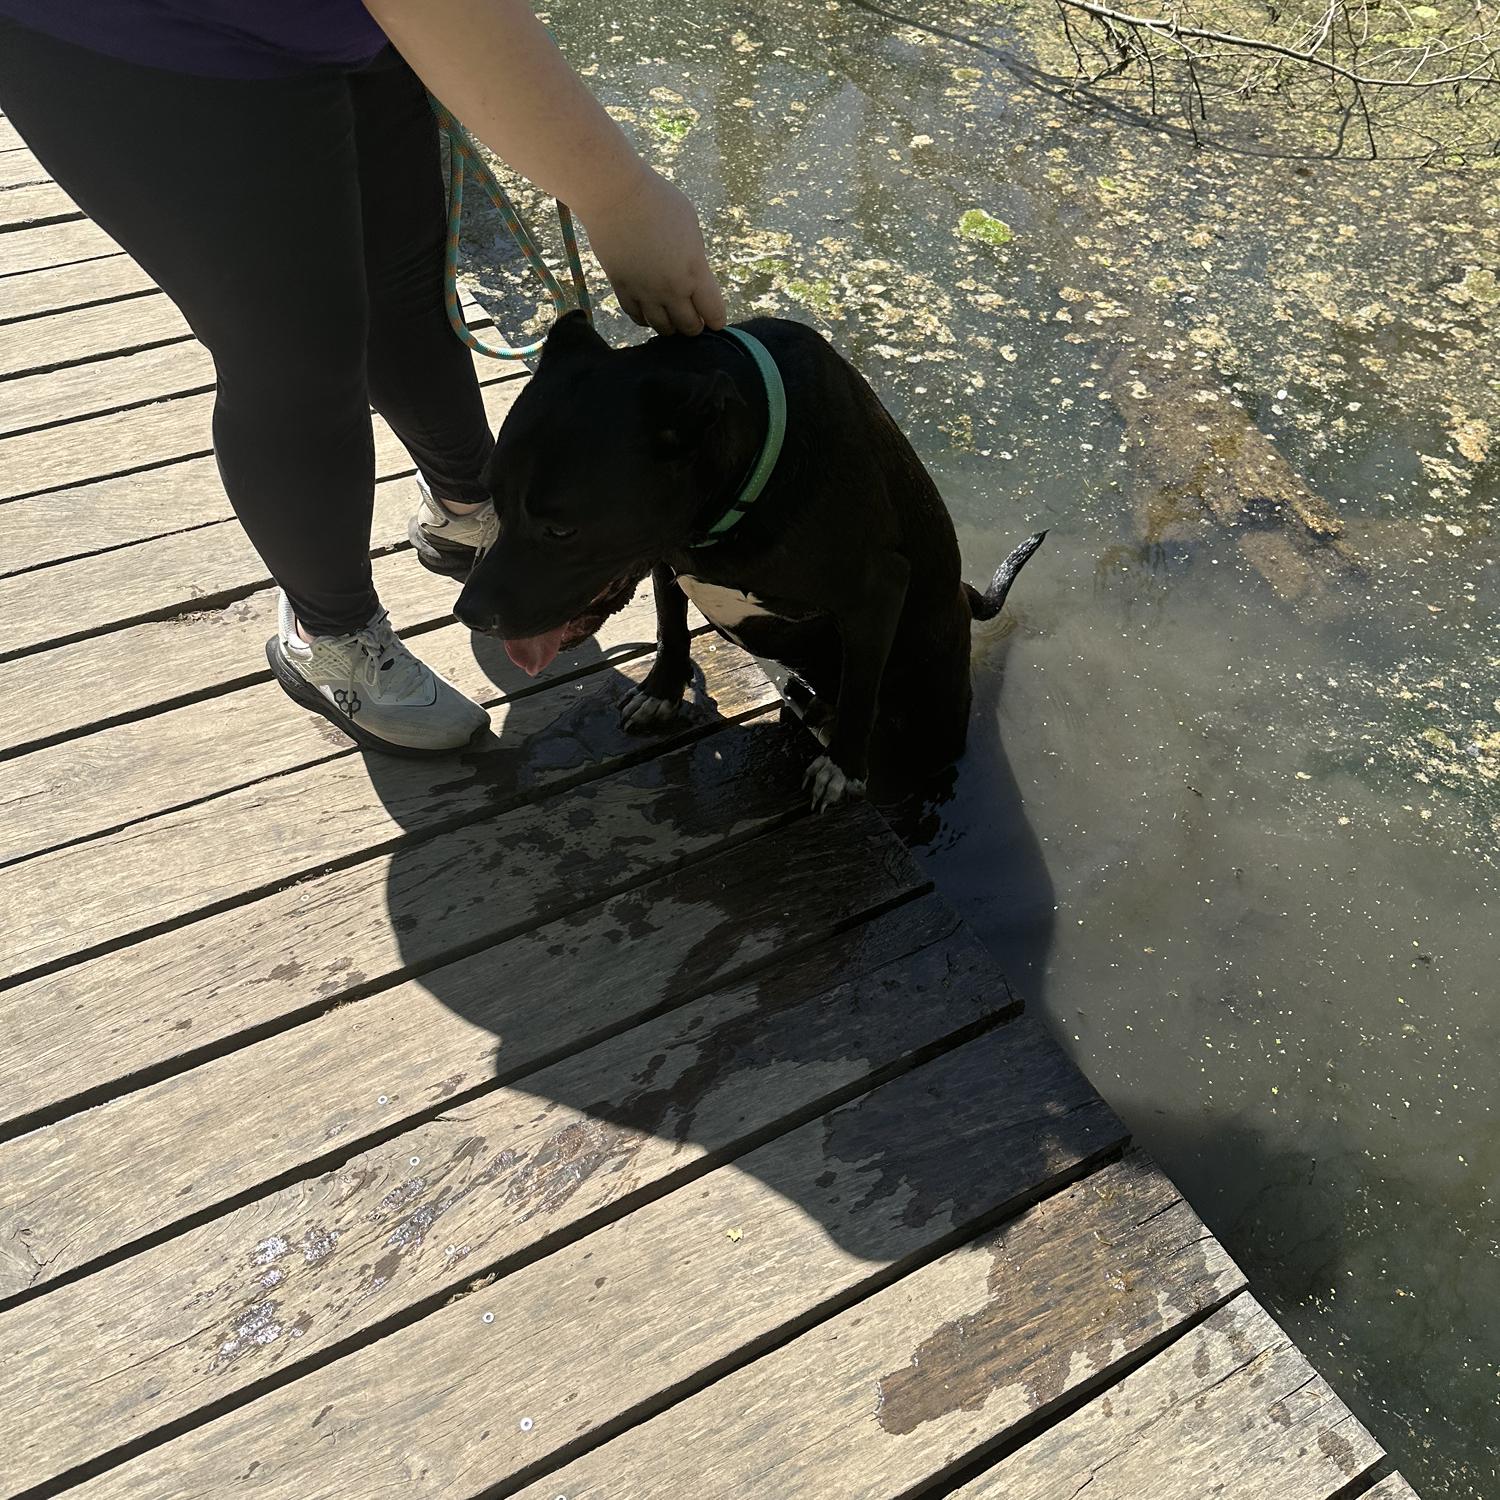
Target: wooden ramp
{"points": [[576, 1117]]}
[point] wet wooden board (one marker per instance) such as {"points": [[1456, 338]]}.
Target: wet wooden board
{"points": [[190, 570], [134, 508], [1232, 1409], [56, 290], [27, 207], [23, 250], [958, 1357], [295, 952], [194, 859], [638, 1114], [149, 766], [645, 1306]]}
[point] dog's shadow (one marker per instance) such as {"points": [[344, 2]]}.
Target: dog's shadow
{"points": [[561, 911]]}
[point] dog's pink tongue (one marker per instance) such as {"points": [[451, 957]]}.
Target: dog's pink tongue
{"points": [[535, 653]]}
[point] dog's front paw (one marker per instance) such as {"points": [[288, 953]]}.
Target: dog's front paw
{"points": [[830, 786], [643, 712]]}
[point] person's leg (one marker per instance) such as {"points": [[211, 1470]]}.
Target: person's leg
{"points": [[421, 377], [242, 201]]}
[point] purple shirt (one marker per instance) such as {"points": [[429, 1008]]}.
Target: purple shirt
{"points": [[213, 38]]}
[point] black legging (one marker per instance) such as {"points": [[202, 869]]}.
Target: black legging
{"points": [[298, 223]]}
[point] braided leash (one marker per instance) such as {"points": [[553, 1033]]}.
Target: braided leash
{"points": [[464, 160]]}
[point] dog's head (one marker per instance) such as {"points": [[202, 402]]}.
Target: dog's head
{"points": [[599, 470]]}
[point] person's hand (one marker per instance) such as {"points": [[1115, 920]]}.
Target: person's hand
{"points": [[542, 120], [648, 241]]}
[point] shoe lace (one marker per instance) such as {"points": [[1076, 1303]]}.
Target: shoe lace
{"points": [[489, 532], [389, 666]]}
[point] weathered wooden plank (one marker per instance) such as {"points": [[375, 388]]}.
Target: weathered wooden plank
{"points": [[188, 861], [497, 1384], [150, 766], [633, 1115], [295, 952], [269, 1109], [18, 167], [132, 508], [1233, 1409], [957, 1357], [93, 334], [141, 437], [123, 510], [52, 399], [10, 137], [63, 244], [145, 437], [1392, 1488], [100, 372], [55, 290], [27, 207], [152, 667], [183, 572]]}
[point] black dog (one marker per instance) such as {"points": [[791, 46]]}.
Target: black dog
{"points": [[616, 463]]}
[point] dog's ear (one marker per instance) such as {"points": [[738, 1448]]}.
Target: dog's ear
{"points": [[684, 409], [572, 337]]}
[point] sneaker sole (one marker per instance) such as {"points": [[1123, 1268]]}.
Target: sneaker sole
{"points": [[304, 694], [447, 559]]}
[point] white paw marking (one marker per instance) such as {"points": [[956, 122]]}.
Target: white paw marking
{"points": [[830, 787], [641, 710]]}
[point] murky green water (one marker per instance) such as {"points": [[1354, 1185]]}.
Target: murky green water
{"points": [[1231, 810]]}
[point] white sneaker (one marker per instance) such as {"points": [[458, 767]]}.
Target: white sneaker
{"points": [[447, 543], [373, 688]]}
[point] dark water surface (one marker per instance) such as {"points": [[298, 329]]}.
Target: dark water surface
{"points": [[1230, 812]]}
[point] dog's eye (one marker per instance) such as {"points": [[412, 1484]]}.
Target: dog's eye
{"points": [[559, 533]]}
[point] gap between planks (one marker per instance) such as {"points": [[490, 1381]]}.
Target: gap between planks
{"points": [[53, 291], [50, 246]]}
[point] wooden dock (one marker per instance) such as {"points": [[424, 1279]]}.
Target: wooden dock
{"points": [[576, 1117]]}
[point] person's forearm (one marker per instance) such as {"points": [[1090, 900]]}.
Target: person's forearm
{"points": [[494, 65]]}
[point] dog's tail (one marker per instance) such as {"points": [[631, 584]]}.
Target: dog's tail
{"points": [[987, 605]]}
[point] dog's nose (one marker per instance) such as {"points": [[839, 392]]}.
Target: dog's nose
{"points": [[473, 613]]}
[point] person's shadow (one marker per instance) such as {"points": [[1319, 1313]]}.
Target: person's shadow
{"points": [[665, 944]]}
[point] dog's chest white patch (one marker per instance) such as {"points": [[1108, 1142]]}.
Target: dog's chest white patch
{"points": [[727, 608]]}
